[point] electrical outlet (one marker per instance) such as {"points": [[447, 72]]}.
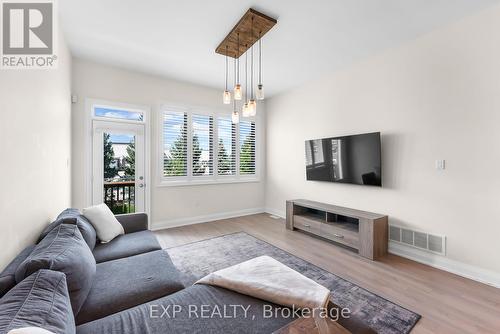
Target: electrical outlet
{"points": [[440, 164]]}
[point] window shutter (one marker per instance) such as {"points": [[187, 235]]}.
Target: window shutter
{"points": [[226, 157], [175, 143], [202, 145], [247, 148]]}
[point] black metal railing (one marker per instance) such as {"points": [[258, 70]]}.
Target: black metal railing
{"points": [[120, 196]]}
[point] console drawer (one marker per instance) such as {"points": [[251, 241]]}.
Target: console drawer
{"points": [[340, 235], [307, 224]]}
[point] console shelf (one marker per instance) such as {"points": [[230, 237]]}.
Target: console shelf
{"points": [[365, 232]]}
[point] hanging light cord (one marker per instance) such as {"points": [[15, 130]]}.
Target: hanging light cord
{"points": [[260, 58], [251, 68], [246, 75], [226, 68], [234, 100], [237, 52]]}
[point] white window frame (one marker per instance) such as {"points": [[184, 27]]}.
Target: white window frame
{"points": [[190, 180]]}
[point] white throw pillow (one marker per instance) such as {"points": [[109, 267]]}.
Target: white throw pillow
{"points": [[106, 225], [30, 330]]}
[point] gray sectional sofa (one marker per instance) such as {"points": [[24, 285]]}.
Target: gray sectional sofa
{"points": [[69, 282]]}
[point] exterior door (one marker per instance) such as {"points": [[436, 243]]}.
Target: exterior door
{"points": [[118, 151]]}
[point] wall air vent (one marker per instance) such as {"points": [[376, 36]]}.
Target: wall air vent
{"points": [[395, 233], [421, 240]]}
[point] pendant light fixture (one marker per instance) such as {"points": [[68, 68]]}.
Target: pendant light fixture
{"points": [[260, 86], [235, 116], [246, 111], [237, 86], [226, 96], [240, 41]]}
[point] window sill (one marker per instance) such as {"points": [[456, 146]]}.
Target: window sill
{"points": [[185, 183]]}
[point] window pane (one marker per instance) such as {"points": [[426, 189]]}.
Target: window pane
{"points": [[203, 162], [120, 114], [226, 160], [247, 148], [175, 143], [119, 172]]}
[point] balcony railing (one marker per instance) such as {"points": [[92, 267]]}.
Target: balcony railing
{"points": [[120, 196]]}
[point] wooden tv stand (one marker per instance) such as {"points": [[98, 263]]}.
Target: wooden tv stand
{"points": [[363, 231]]}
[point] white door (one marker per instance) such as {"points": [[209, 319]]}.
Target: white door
{"points": [[118, 165]]}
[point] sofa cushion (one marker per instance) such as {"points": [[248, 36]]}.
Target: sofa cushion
{"points": [[64, 250], [85, 227], [196, 305], [41, 300], [126, 245], [8, 275], [128, 282]]}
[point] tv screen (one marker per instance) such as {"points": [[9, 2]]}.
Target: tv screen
{"points": [[349, 159]]}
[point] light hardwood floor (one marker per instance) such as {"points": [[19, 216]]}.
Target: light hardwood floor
{"points": [[448, 303]]}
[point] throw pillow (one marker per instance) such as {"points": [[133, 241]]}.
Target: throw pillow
{"points": [[104, 221], [73, 216], [64, 250], [41, 300]]}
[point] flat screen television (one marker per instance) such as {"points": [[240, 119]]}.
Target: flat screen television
{"points": [[352, 159]]}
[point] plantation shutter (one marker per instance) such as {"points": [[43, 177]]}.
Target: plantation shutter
{"points": [[202, 145], [226, 157], [247, 148], [175, 125]]}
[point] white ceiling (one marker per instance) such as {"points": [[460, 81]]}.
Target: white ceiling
{"points": [[176, 38]]}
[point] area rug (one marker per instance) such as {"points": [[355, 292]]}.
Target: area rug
{"points": [[198, 259]]}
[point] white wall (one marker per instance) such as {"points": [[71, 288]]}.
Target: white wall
{"points": [[170, 205], [435, 98], [35, 142]]}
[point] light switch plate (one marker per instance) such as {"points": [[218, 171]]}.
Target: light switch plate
{"points": [[440, 164]]}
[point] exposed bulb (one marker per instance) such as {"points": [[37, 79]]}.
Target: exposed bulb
{"points": [[252, 108], [237, 92], [235, 117], [245, 110], [226, 97], [260, 92]]}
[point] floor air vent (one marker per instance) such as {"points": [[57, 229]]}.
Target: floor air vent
{"points": [[428, 242]]}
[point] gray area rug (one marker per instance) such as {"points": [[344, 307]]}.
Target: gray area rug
{"points": [[198, 259]]}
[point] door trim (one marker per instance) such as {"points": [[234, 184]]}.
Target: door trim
{"points": [[88, 138]]}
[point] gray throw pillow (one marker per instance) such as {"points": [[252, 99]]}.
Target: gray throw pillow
{"points": [[64, 250], [8, 275], [73, 216], [41, 300]]}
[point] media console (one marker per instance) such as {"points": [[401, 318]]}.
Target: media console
{"points": [[363, 231]]}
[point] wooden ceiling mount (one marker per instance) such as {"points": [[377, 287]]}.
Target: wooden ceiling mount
{"points": [[261, 25]]}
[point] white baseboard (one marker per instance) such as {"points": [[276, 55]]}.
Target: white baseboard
{"points": [[455, 267], [275, 212], [160, 225]]}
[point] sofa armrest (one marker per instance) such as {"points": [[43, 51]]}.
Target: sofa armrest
{"points": [[133, 222]]}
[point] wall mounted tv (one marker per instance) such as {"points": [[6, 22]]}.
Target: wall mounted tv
{"points": [[349, 159]]}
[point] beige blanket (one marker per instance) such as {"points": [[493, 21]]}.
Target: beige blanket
{"points": [[268, 279]]}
